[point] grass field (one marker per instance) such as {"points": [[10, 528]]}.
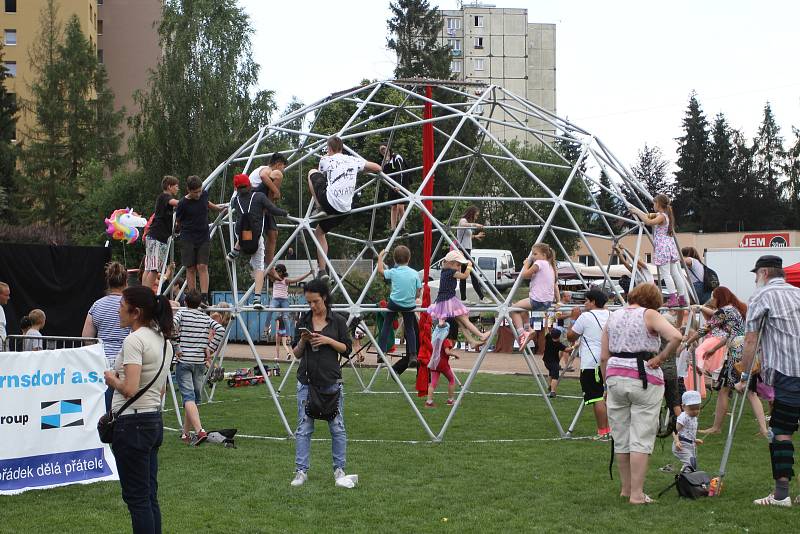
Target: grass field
{"points": [[529, 483]]}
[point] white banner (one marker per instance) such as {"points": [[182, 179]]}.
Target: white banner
{"points": [[50, 401]]}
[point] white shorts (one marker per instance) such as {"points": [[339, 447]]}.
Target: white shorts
{"points": [[156, 254], [257, 259]]}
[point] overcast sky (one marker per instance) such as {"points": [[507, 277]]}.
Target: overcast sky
{"points": [[624, 68]]}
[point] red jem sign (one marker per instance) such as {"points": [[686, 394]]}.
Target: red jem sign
{"points": [[764, 240]]}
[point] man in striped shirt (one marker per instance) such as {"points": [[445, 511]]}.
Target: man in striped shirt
{"points": [[775, 310], [194, 352]]}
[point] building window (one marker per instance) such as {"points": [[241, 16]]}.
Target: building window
{"points": [[648, 258], [455, 44], [10, 37], [99, 2], [100, 27], [478, 21], [12, 68], [11, 6], [587, 260], [479, 42], [453, 24], [455, 66], [100, 55], [478, 63]]}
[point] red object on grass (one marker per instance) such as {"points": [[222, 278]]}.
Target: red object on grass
{"points": [[793, 274], [427, 243]]}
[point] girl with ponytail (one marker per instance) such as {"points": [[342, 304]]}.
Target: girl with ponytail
{"points": [[142, 366], [666, 256]]}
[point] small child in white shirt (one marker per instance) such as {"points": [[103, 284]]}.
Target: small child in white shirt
{"points": [[685, 436]]}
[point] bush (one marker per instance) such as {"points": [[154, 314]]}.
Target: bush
{"points": [[33, 234]]}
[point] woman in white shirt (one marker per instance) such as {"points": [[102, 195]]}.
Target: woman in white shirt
{"points": [[466, 226], [697, 271]]}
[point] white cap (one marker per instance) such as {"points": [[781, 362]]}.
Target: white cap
{"points": [[690, 398], [455, 255]]}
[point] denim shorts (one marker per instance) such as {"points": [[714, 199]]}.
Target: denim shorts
{"points": [[190, 378], [540, 306]]}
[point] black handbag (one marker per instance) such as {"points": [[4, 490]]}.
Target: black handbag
{"points": [[105, 425], [320, 405]]}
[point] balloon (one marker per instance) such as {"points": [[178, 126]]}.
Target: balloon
{"points": [[122, 223]]}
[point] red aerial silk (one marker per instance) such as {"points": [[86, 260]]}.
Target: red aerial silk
{"points": [[793, 274], [427, 243]]}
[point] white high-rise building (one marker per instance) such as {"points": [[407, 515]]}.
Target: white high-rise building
{"points": [[499, 46]]}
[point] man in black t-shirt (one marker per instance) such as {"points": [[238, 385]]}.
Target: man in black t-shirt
{"points": [[192, 214], [156, 248]]}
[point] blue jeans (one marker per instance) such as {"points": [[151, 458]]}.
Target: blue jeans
{"points": [[190, 378], [305, 428], [409, 323], [135, 446], [279, 303]]}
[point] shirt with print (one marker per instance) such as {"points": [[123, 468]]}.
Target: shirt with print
{"points": [[193, 218], [628, 333], [447, 285], [255, 203], [725, 322], [161, 227], [589, 326], [405, 283], [543, 282], [394, 168], [341, 172], [144, 347], [322, 365], [689, 430]]}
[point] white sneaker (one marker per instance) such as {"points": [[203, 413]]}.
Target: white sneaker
{"points": [[486, 300], [770, 500], [338, 473], [470, 302], [300, 478]]}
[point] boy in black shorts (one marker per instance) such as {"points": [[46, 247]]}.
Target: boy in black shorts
{"points": [[333, 186], [192, 215], [553, 350]]}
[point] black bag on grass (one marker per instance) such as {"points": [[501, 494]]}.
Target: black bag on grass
{"points": [[690, 484]]}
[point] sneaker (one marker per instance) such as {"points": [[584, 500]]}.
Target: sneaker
{"points": [[552, 394], [257, 303], [412, 361], [770, 500], [667, 468], [199, 438], [429, 404], [186, 438], [682, 301], [672, 301], [324, 276], [318, 212], [602, 437], [450, 402], [523, 340], [300, 478], [486, 300], [338, 473], [232, 255], [470, 302]]}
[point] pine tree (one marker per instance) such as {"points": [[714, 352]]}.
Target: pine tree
{"points": [[201, 101], [414, 29], [107, 121], [722, 175], [651, 171], [745, 206], [769, 158], [791, 188], [692, 191], [8, 152]]}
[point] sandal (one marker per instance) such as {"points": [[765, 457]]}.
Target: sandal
{"points": [[647, 500]]}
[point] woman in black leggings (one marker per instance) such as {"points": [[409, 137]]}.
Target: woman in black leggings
{"points": [[466, 226]]}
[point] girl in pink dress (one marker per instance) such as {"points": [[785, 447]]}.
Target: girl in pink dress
{"points": [[666, 257]]}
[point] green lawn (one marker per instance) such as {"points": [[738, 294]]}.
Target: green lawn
{"points": [[535, 484]]}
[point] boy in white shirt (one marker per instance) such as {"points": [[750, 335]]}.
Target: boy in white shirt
{"points": [[589, 328], [333, 186], [685, 436]]}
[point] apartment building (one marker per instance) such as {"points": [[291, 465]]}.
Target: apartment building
{"points": [[499, 46], [122, 31]]}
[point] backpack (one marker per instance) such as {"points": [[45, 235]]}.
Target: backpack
{"points": [[690, 483], [249, 235], [710, 279]]}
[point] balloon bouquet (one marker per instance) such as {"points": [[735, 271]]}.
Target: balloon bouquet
{"points": [[122, 225]]}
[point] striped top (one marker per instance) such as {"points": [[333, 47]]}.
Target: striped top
{"points": [[191, 332], [627, 332], [105, 318], [780, 339], [280, 289]]}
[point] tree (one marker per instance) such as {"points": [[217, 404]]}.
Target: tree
{"points": [[692, 191], [651, 171], [415, 29], [201, 101], [769, 158], [722, 173], [791, 188], [8, 152], [76, 124]]}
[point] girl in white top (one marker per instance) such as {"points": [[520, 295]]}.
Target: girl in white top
{"points": [[697, 272], [139, 430], [280, 297], [32, 325]]}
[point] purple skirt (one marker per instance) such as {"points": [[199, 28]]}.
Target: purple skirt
{"points": [[446, 309]]}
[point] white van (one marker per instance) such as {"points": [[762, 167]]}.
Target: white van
{"points": [[497, 266]]}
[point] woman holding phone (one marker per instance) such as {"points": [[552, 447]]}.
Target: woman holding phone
{"points": [[320, 339]]}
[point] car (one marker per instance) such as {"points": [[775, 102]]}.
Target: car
{"points": [[497, 266]]}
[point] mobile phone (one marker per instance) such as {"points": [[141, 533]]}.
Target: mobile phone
{"points": [[304, 330]]}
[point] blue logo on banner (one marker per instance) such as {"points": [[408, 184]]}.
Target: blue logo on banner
{"points": [[62, 414], [52, 469]]}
